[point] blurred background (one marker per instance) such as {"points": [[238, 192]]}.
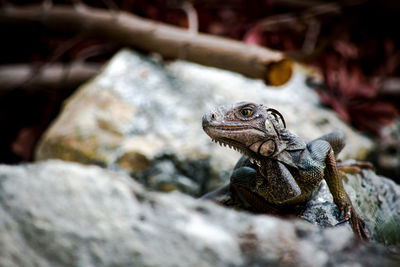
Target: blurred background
{"points": [[354, 45]]}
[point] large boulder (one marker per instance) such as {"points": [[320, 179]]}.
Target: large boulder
{"points": [[67, 214], [145, 117]]}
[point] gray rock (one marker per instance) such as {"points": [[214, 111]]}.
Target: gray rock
{"points": [[143, 116], [66, 214]]}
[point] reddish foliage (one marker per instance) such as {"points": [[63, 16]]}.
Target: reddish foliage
{"points": [[354, 97], [25, 142]]}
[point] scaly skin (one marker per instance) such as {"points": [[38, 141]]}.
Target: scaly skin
{"points": [[279, 171]]}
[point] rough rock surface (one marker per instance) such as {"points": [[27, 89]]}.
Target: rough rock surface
{"points": [[145, 117], [376, 199], [66, 214]]}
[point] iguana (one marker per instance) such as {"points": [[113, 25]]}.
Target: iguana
{"points": [[279, 170]]}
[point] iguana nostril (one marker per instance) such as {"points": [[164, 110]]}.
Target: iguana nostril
{"points": [[213, 117]]}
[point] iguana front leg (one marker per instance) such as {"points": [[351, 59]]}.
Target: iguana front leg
{"points": [[337, 141], [243, 183], [340, 196], [239, 193]]}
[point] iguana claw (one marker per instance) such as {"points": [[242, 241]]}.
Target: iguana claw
{"points": [[353, 167], [348, 213]]}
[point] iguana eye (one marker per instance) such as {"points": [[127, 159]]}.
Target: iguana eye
{"points": [[246, 112]]}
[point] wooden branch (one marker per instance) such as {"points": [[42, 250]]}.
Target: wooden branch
{"points": [[320, 11], [288, 19], [50, 77], [169, 41]]}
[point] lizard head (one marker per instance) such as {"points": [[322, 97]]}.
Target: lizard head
{"points": [[252, 129]]}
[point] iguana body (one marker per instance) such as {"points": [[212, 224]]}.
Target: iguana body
{"points": [[279, 171]]}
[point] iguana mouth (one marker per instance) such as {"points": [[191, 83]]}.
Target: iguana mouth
{"points": [[228, 142], [237, 146], [232, 127]]}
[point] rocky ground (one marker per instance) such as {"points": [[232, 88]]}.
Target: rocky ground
{"points": [[56, 213], [141, 119]]}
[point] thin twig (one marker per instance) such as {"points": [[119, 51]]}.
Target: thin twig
{"points": [[61, 50], [311, 37], [293, 17], [192, 17]]}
